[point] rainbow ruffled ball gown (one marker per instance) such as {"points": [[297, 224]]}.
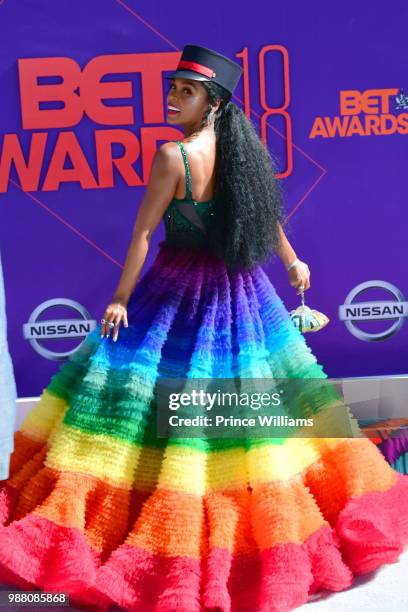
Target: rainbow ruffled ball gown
{"points": [[98, 507]]}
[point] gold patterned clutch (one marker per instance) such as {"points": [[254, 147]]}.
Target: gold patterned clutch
{"points": [[306, 319]]}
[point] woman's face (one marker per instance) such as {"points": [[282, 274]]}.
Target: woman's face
{"points": [[190, 99]]}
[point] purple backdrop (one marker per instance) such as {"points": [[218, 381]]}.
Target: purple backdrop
{"points": [[339, 130]]}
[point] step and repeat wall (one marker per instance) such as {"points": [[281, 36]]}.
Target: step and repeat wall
{"points": [[82, 112]]}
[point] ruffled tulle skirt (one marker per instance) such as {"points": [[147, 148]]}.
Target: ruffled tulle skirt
{"points": [[99, 507]]}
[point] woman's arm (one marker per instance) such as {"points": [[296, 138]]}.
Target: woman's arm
{"points": [[164, 176], [285, 250], [299, 273]]}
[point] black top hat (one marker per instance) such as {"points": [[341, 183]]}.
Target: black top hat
{"points": [[202, 64]]}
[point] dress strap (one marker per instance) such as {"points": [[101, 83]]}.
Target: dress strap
{"points": [[187, 168]]}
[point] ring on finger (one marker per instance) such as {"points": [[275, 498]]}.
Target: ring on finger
{"points": [[109, 323]]}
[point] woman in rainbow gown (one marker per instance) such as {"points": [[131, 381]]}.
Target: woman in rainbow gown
{"points": [[102, 508]]}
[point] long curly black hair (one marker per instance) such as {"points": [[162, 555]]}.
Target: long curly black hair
{"points": [[248, 197]]}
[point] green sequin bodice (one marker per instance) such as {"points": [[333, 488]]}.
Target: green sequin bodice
{"points": [[186, 220]]}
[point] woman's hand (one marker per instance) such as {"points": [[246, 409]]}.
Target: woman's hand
{"points": [[114, 314], [299, 276]]}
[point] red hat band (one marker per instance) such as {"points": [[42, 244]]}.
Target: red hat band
{"points": [[208, 72]]}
